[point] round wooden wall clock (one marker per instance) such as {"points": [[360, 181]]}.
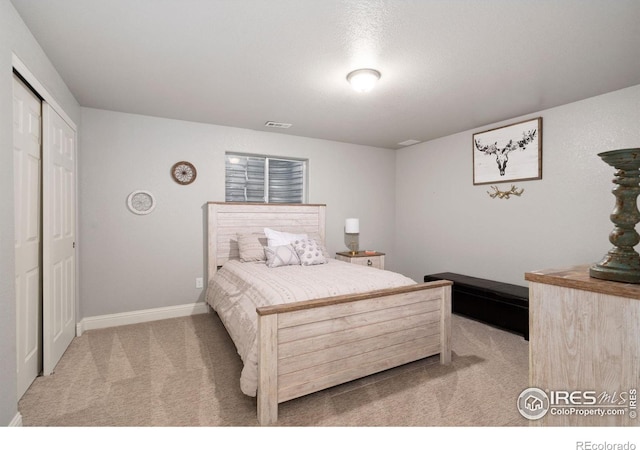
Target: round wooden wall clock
{"points": [[183, 172]]}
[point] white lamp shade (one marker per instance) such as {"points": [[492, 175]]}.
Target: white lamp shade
{"points": [[352, 226]]}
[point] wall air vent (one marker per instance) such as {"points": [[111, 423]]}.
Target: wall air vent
{"points": [[271, 124]]}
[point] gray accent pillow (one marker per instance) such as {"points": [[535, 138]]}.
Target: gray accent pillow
{"points": [[310, 252], [282, 255], [250, 247], [320, 241]]}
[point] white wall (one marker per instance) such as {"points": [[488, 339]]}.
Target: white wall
{"points": [[446, 224], [15, 38], [132, 262]]}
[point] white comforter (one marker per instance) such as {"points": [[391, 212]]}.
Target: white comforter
{"points": [[238, 288]]}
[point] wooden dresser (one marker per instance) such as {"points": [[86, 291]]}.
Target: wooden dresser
{"points": [[584, 338]]}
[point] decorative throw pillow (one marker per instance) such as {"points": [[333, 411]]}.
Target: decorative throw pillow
{"points": [[276, 238], [251, 247], [316, 237], [282, 255], [309, 251]]}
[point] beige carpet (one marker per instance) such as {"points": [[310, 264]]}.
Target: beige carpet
{"points": [[185, 372]]}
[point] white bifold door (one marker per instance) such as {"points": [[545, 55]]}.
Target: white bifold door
{"points": [[58, 237], [44, 188], [27, 133]]}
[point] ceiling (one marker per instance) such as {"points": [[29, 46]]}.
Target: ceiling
{"points": [[447, 66]]}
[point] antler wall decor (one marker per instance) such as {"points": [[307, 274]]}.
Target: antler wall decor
{"points": [[505, 194]]}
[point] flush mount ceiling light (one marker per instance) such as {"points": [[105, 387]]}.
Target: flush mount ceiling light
{"points": [[363, 80]]}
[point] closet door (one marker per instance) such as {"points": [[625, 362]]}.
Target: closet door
{"points": [[59, 235], [27, 172]]}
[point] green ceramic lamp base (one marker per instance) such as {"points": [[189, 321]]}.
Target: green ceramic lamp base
{"points": [[622, 262], [613, 273]]}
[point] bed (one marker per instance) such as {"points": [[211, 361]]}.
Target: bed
{"points": [[297, 333]]}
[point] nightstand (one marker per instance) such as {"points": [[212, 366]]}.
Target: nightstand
{"points": [[371, 259]]}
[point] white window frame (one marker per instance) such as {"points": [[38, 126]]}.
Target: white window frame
{"points": [[267, 158]]}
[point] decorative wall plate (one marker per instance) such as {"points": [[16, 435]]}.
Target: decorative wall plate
{"points": [[141, 202], [184, 172]]}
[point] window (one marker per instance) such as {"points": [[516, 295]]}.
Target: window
{"points": [[265, 179]]}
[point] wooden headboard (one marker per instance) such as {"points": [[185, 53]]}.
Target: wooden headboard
{"points": [[226, 220]]}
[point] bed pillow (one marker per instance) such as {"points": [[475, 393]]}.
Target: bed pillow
{"points": [[316, 237], [309, 251], [277, 238], [251, 246], [282, 255]]}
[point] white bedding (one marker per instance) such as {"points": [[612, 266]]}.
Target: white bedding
{"points": [[238, 288]]}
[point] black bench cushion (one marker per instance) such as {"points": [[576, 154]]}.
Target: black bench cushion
{"points": [[509, 293], [501, 304]]}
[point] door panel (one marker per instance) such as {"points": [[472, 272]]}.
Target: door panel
{"points": [[27, 174], [59, 237]]}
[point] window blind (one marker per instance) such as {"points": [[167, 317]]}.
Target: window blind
{"points": [[264, 179]]}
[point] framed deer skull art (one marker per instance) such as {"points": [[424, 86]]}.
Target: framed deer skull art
{"points": [[509, 153]]}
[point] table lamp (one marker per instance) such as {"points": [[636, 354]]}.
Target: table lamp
{"points": [[352, 228]]}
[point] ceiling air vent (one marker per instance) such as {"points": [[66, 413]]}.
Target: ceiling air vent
{"points": [[271, 124], [408, 142]]}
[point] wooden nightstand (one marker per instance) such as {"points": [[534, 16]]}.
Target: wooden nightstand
{"points": [[372, 259]]}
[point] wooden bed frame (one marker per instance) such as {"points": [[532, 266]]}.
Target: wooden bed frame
{"points": [[311, 345]]}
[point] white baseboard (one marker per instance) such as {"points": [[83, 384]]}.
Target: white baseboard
{"points": [[147, 315], [16, 421]]}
